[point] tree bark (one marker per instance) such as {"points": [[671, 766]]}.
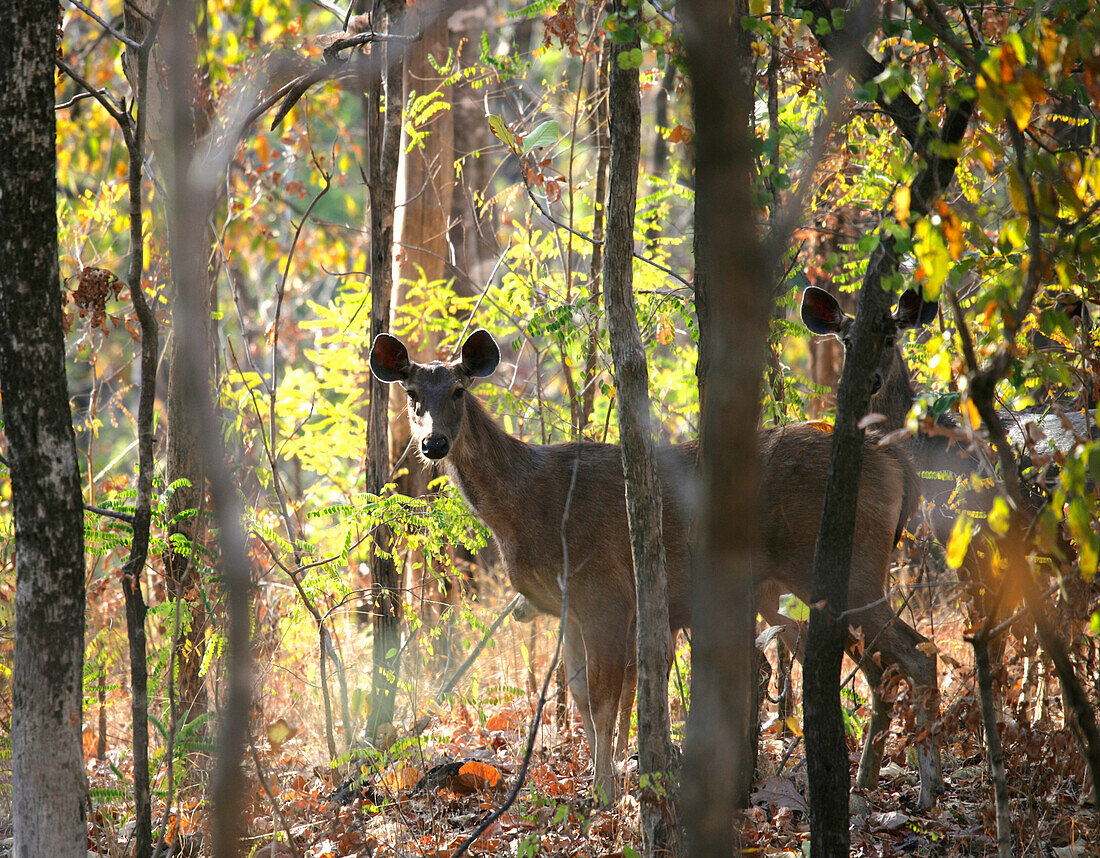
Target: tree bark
{"points": [[734, 288], [643, 488], [383, 120], [136, 609], [473, 236], [980, 642], [49, 791]]}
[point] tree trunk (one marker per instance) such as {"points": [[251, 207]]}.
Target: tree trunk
{"points": [[734, 289], [473, 236], [425, 183], [49, 792], [184, 456], [383, 119], [643, 488], [826, 749], [191, 195]]}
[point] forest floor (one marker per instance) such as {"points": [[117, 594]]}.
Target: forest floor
{"points": [[426, 794]]}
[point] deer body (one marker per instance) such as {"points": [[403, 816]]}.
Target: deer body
{"points": [[521, 492]]}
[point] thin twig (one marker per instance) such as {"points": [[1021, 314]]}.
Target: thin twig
{"points": [[106, 25], [110, 513]]}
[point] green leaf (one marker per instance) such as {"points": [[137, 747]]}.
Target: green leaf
{"points": [[546, 134], [631, 59]]}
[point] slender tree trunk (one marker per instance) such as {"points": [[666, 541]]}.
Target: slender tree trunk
{"points": [[191, 195], [423, 198], [49, 792], [643, 488], [993, 745], [383, 141], [733, 284], [184, 458], [826, 749], [603, 154]]}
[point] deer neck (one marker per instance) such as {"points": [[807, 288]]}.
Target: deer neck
{"points": [[895, 398], [491, 469]]}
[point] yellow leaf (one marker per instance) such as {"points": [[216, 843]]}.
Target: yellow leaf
{"points": [[999, 516], [959, 543], [1021, 109], [279, 731], [902, 199], [793, 725], [1087, 556], [972, 413]]}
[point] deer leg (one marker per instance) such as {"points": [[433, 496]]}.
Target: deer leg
{"points": [[898, 644], [874, 737], [576, 676], [606, 667], [626, 707]]}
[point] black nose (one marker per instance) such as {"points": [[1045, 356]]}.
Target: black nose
{"points": [[435, 446]]}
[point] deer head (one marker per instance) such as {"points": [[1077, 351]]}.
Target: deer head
{"points": [[436, 390], [891, 389]]}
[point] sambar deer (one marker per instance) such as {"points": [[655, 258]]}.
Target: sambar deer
{"points": [[520, 491], [939, 458]]}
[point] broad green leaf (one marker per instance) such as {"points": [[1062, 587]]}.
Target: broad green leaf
{"points": [[546, 134]]}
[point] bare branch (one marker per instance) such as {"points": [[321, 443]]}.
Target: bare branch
{"points": [[106, 25]]}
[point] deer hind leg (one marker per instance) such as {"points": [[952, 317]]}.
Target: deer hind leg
{"points": [[576, 677], [874, 737], [898, 644], [626, 707], [606, 663], [596, 675]]}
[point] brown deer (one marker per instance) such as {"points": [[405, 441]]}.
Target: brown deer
{"points": [[939, 459], [521, 491]]}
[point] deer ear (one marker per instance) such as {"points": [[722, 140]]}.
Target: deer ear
{"points": [[821, 313], [389, 359], [913, 311], [480, 354]]}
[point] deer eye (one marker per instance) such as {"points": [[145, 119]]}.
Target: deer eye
{"points": [[457, 394], [413, 397]]}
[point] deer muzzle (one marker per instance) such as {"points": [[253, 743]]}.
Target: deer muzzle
{"points": [[435, 446]]}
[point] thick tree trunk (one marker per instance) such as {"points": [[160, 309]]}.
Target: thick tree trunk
{"points": [[643, 489], [49, 791], [734, 289], [473, 234], [383, 119]]}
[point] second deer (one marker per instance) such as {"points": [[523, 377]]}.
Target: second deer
{"points": [[522, 491]]}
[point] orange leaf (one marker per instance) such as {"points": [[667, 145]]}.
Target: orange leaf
{"points": [[665, 331], [500, 721], [482, 773], [402, 779]]}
